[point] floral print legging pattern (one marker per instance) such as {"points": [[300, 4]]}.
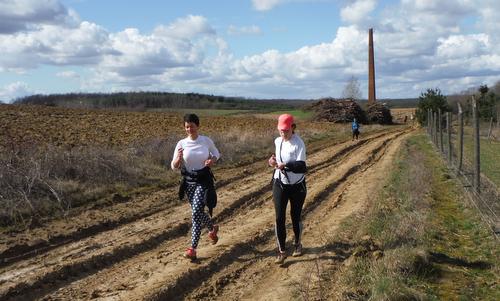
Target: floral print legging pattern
{"points": [[199, 217]]}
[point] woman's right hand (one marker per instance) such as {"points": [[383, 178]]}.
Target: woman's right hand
{"points": [[272, 161], [178, 160]]}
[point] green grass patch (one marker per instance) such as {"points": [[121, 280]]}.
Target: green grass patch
{"points": [[490, 157], [434, 245]]}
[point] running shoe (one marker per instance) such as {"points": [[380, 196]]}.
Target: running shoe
{"points": [[298, 250], [280, 258], [213, 234], [190, 253]]}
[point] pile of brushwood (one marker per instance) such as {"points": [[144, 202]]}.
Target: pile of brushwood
{"points": [[345, 110], [377, 112], [337, 110]]}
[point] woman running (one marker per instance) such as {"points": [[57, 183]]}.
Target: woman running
{"points": [[194, 155], [289, 183]]}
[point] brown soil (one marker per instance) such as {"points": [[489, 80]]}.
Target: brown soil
{"points": [[132, 250], [26, 125]]}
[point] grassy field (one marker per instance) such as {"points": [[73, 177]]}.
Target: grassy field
{"points": [[490, 157], [433, 244]]}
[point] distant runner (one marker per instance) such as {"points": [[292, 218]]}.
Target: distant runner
{"points": [[355, 129], [194, 155], [289, 183]]}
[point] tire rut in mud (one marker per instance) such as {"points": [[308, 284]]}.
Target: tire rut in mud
{"points": [[248, 269], [92, 265], [192, 279], [23, 251], [18, 252]]}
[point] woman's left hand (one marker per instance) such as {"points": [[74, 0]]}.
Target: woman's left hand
{"points": [[280, 166], [209, 162]]}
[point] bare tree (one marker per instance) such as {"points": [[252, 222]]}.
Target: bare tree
{"points": [[496, 88], [352, 90]]}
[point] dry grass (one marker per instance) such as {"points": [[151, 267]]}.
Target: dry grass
{"points": [[424, 232], [396, 223], [56, 159], [37, 182], [44, 181]]}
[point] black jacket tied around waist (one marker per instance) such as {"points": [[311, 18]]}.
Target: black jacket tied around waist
{"points": [[203, 177]]}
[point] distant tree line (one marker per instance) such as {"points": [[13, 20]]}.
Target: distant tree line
{"points": [[156, 100], [488, 100]]}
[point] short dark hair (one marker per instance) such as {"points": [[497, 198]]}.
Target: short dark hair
{"points": [[192, 118]]}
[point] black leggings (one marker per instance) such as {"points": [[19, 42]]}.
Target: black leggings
{"points": [[281, 194], [355, 133]]}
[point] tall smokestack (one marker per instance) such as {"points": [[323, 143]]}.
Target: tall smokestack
{"points": [[371, 68]]}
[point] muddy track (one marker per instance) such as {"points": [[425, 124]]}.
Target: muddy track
{"points": [[230, 265], [308, 277], [130, 210], [17, 252], [166, 229]]}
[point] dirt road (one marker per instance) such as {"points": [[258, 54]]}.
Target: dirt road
{"points": [[134, 252]]}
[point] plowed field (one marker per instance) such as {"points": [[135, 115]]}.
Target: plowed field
{"points": [[132, 249], [26, 125]]}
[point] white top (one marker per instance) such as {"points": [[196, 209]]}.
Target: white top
{"points": [[291, 150], [195, 152]]}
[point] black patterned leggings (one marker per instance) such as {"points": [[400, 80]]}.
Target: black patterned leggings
{"points": [[195, 194]]}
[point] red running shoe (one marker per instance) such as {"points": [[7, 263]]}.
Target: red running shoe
{"points": [[190, 253], [213, 234]]}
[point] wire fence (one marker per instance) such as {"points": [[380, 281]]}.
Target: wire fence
{"points": [[451, 135]]}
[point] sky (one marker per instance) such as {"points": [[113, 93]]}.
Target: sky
{"points": [[295, 49]]}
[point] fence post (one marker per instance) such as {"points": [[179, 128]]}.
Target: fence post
{"points": [[477, 170], [460, 136], [448, 130], [429, 122], [489, 130], [440, 121], [433, 126]]}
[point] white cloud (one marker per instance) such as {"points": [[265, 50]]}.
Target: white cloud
{"points": [[463, 46], [14, 90], [164, 58], [489, 21], [245, 30], [186, 28], [127, 52], [417, 44], [264, 5], [438, 14], [85, 44], [22, 15], [357, 11], [68, 74]]}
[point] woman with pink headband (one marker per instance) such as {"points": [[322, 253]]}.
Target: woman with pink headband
{"points": [[289, 162]]}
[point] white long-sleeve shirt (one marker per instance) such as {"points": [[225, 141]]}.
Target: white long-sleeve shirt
{"points": [[289, 151], [195, 152]]}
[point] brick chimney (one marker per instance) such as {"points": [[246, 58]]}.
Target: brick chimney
{"points": [[371, 69]]}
